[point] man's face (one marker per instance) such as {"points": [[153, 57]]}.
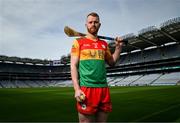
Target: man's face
{"points": [[92, 25]]}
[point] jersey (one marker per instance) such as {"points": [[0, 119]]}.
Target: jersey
{"points": [[92, 56]]}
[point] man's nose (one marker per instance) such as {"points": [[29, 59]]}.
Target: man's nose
{"points": [[93, 23]]}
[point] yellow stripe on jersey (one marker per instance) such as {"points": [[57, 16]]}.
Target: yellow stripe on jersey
{"points": [[92, 54], [75, 48]]}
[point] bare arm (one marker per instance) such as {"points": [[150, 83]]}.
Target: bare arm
{"points": [[115, 56], [74, 75]]}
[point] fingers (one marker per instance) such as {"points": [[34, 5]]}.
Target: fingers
{"points": [[119, 41], [78, 99], [80, 96]]}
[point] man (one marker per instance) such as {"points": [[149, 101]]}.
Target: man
{"points": [[88, 60]]}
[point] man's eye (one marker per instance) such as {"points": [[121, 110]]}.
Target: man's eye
{"points": [[95, 22]]}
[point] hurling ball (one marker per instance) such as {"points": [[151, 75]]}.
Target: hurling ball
{"points": [[82, 97]]}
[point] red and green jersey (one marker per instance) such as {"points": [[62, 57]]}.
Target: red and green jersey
{"points": [[92, 55]]}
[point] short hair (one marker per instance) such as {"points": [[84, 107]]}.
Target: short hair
{"points": [[94, 14]]}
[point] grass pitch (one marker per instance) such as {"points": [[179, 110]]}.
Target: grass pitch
{"points": [[130, 104]]}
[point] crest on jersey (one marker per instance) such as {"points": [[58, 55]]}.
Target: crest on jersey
{"points": [[83, 106], [95, 45]]}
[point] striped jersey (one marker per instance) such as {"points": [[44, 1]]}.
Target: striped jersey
{"points": [[92, 56]]}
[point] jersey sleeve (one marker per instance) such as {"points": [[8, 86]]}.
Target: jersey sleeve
{"points": [[75, 49]]}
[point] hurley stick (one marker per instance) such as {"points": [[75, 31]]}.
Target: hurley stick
{"points": [[72, 33]]}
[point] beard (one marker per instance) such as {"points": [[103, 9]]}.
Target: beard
{"points": [[93, 30]]}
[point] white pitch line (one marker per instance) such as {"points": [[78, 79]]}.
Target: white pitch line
{"points": [[158, 112]]}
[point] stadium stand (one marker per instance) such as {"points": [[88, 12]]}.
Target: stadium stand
{"points": [[150, 58], [156, 58], [168, 79]]}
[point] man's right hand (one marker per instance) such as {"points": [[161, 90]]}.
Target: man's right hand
{"points": [[77, 95]]}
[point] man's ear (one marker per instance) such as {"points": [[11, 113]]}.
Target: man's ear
{"points": [[99, 25]]}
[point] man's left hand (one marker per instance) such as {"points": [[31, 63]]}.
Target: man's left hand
{"points": [[119, 42]]}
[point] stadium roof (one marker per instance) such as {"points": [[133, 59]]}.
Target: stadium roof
{"points": [[152, 36], [168, 32]]}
